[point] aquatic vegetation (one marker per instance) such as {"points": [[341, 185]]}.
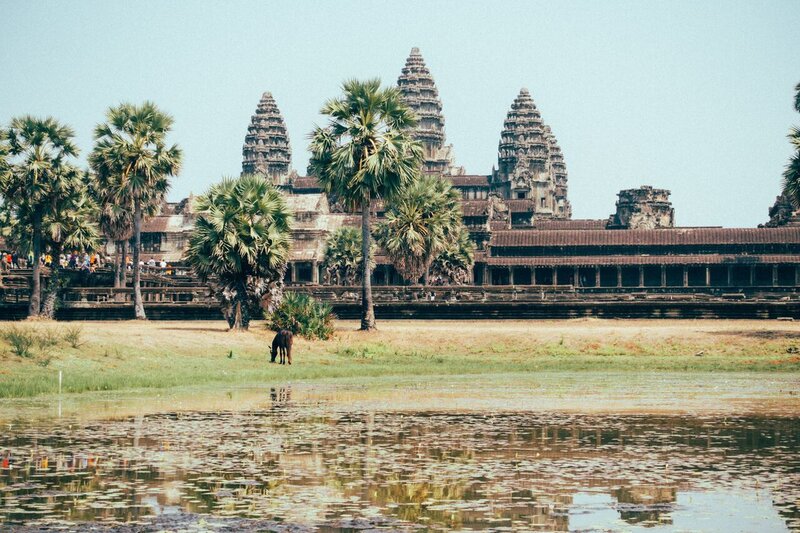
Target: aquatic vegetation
{"points": [[333, 465]]}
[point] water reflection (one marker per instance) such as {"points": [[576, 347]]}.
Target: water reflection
{"points": [[313, 464]]}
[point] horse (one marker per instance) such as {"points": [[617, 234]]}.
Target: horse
{"points": [[282, 343]]}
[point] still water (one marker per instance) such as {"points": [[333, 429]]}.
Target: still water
{"points": [[293, 456]]}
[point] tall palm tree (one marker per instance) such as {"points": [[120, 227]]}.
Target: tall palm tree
{"points": [[241, 241], [366, 152], [133, 165], [71, 225], [40, 151], [791, 176], [422, 221], [454, 263], [343, 256]]}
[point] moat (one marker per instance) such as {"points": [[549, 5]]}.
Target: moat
{"points": [[413, 455]]}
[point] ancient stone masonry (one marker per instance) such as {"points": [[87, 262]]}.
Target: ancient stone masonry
{"points": [[530, 163], [643, 208], [783, 213], [420, 94], [266, 146]]}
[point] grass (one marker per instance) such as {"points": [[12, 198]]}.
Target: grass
{"points": [[134, 355]]}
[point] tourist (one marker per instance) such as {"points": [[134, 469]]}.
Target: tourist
{"points": [[162, 264]]}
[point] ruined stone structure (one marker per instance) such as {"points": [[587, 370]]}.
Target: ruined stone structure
{"points": [[530, 163], [643, 208], [420, 94], [783, 213], [266, 146]]}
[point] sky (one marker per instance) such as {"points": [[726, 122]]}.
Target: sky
{"points": [[691, 96]]}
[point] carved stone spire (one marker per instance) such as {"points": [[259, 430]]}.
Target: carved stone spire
{"points": [[523, 148], [266, 146], [530, 161], [563, 206], [420, 94]]}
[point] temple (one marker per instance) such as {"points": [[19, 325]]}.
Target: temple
{"points": [[532, 258]]}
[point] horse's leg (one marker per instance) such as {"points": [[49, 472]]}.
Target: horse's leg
{"points": [[289, 353]]}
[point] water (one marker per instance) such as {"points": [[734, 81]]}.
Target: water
{"points": [[341, 459]]}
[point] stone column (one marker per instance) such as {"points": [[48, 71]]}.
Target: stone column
{"points": [[511, 275], [555, 276], [596, 276], [685, 276], [619, 276], [708, 276], [314, 273], [729, 277], [576, 278], [294, 273], [796, 276], [663, 275], [774, 275], [641, 276], [486, 274], [752, 270]]}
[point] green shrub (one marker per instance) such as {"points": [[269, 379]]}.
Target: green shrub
{"points": [[301, 314], [47, 338], [20, 338], [73, 335]]}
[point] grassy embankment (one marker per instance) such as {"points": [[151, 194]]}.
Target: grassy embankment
{"points": [[131, 355]]}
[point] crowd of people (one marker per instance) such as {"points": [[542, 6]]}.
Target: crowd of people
{"points": [[86, 261]]}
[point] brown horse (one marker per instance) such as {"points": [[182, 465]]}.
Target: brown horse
{"points": [[282, 343]]}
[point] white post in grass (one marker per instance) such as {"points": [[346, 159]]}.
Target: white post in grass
{"points": [[59, 394]]}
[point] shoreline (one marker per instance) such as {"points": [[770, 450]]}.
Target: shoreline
{"points": [[162, 356]]}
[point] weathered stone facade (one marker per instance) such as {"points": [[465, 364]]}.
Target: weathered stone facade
{"points": [[643, 208], [266, 146], [530, 163], [420, 94]]}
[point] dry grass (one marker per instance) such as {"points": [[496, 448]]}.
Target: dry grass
{"points": [[125, 355]]}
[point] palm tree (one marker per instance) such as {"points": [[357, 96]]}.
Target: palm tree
{"points": [[241, 241], [40, 150], [343, 256], [71, 225], [421, 222], [133, 165], [791, 176], [365, 153], [454, 263]]}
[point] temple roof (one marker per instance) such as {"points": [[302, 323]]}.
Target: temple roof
{"points": [[523, 137], [469, 181], [603, 260], [659, 237], [266, 147]]}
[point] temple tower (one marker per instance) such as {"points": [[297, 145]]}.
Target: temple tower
{"points": [[266, 146], [525, 167], [563, 207], [420, 94]]}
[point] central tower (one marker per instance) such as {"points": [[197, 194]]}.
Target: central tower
{"points": [[420, 94]]}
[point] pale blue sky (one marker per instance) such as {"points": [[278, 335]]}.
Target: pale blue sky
{"points": [[691, 96]]}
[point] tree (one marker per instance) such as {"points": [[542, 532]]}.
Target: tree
{"points": [[366, 152], [421, 223], [343, 256], [791, 176], [241, 242], [133, 165], [38, 176], [454, 264]]}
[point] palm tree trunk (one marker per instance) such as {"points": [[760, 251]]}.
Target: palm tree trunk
{"points": [[241, 314], [117, 253], [367, 310], [34, 305], [123, 271], [137, 246], [53, 285]]}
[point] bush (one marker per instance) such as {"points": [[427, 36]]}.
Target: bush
{"points": [[47, 338], [20, 338], [301, 314], [73, 336]]}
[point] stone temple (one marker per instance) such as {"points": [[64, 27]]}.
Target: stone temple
{"points": [[531, 255]]}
